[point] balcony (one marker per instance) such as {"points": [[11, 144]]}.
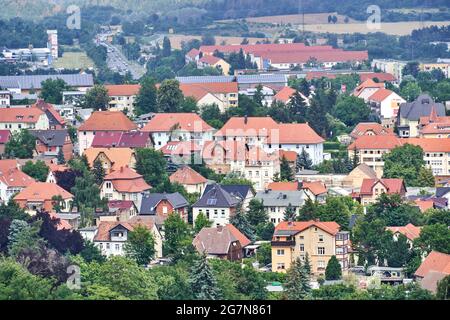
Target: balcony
{"points": [[288, 243]]}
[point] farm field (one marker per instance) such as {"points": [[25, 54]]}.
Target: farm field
{"points": [[310, 18], [393, 28], [176, 39], [74, 60]]}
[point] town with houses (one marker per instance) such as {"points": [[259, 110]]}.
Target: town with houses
{"points": [[281, 176]]}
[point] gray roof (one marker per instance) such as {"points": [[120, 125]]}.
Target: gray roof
{"points": [[261, 78], [442, 191], [34, 81], [421, 107], [217, 197], [273, 198], [285, 232], [52, 138], [205, 79], [150, 201], [214, 240], [238, 190]]}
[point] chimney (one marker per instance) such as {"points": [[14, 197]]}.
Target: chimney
{"points": [[219, 228], [121, 169], [245, 119]]}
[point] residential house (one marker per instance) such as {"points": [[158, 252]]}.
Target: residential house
{"points": [[12, 180], [315, 190], [53, 171], [102, 121], [214, 62], [50, 142], [56, 122], [192, 56], [434, 268], [160, 205], [38, 196], [285, 95], [371, 189], [386, 104], [355, 178], [409, 114], [381, 76], [119, 139], [370, 129], [444, 192], [217, 205], [5, 135], [433, 126], [111, 158], [165, 127], [367, 89], [243, 192], [321, 240], [17, 118], [290, 157], [5, 98], [266, 92], [124, 184], [118, 210], [182, 152], [111, 237], [222, 242], [122, 96], [436, 154], [428, 67], [190, 179], [224, 95], [410, 231], [276, 202], [393, 67]]}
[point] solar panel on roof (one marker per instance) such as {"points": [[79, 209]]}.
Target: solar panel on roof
{"points": [[211, 202]]}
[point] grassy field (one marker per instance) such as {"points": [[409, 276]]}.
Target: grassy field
{"points": [[74, 60], [176, 39], [310, 18], [393, 28]]}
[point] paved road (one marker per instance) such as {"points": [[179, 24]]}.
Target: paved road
{"points": [[117, 61]]}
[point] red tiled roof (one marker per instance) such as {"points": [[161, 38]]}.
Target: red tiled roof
{"points": [[62, 224], [424, 205], [294, 133], [120, 204], [208, 59], [120, 157], [119, 139], [330, 227], [244, 241], [290, 156], [410, 231], [187, 175], [391, 185], [105, 226], [430, 144], [22, 115], [254, 126], [363, 128], [380, 95], [13, 177], [335, 55], [44, 106], [107, 121], [253, 47], [283, 186], [236, 151], [318, 75], [40, 191], [125, 179], [369, 83], [123, 89], [106, 139], [165, 122], [435, 261], [284, 94], [5, 135], [382, 76], [316, 187], [199, 90], [375, 142], [7, 164], [436, 128], [193, 53]]}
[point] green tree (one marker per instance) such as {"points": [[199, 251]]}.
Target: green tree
{"points": [[394, 211], [169, 97], [146, 97], [98, 172], [264, 230], [11, 211], [92, 253], [140, 245], [23, 236], [443, 289], [338, 209], [316, 117], [307, 264], [57, 202], [333, 270], [410, 91], [37, 170], [21, 145], [434, 237], [290, 213], [60, 157], [256, 213], [309, 211], [240, 221], [351, 110], [404, 162], [177, 235], [97, 98], [52, 89], [202, 280], [151, 165], [286, 173], [399, 253], [167, 48], [201, 222], [411, 68], [303, 161], [425, 178], [264, 254], [297, 285]]}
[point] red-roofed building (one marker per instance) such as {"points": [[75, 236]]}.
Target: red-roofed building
{"points": [[381, 76], [102, 121], [165, 127], [434, 268], [5, 135], [12, 180], [122, 96], [17, 118], [284, 186], [118, 139], [123, 184], [367, 88], [370, 129], [285, 95], [118, 210], [56, 122], [190, 179], [320, 240], [192, 56], [225, 95], [410, 231], [386, 103], [311, 75], [214, 62], [371, 189]]}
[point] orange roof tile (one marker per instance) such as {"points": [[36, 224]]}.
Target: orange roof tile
{"points": [[410, 231], [382, 76], [283, 186], [13, 177], [41, 191], [435, 261], [316, 187], [125, 179], [120, 157], [375, 142], [363, 128], [165, 122], [187, 175], [380, 95], [107, 121], [430, 144], [424, 205], [22, 115], [391, 185], [243, 240], [290, 156], [211, 60], [294, 133], [330, 227], [284, 94], [254, 126], [105, 226], [8, 164], [199, 90], [369, 83], [123, 89]]}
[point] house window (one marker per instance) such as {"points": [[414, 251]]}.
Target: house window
{"points": [[302, 237], [320, 237], [280, 252], [107, 246], [215, 213], [280, 266], [117, 247], [320, 264], [165, 210], [302, 247], [108, 185], [222, 212], [321, 250]]}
